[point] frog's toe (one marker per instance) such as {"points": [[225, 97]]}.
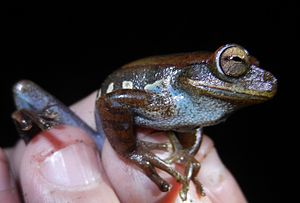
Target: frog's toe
{"points": [[148, 161], [191, 166]]}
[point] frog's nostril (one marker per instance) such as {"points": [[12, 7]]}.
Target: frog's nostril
{"points": [[268, 77]]}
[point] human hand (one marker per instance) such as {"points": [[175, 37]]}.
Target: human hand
{"points": [[63, 165]]}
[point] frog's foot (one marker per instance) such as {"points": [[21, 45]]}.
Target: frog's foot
{"points": [[185, 158], [37, 110], [148, 161], [29, 123]]}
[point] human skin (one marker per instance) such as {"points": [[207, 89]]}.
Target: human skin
{"points": [[72, 170]]}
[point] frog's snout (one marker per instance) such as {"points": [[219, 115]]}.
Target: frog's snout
{"points": [[260, 83], [271, 84]]}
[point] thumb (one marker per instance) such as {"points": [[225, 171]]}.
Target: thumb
{"points": [[63, 165]]}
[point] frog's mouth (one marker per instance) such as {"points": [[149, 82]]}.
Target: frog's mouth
{"points": [[235, 93]]}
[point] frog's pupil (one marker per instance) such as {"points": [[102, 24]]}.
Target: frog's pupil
{"points": [[236, 59]]}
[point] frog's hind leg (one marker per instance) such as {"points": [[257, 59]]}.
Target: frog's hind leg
{"points": [[185, 146], [116, 112], [146, 160]]}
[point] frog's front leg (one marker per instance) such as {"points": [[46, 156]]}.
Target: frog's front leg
{"points": [[116, 111], [185, 146]]}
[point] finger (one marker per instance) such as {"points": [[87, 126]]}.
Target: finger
{"points": [[219, 184], [132, 185], [8, 190], [62, 165]]}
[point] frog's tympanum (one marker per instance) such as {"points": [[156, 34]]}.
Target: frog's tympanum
{"points": [[180, 94]]}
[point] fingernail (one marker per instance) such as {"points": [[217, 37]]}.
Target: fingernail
{"points": [[72, 166]]}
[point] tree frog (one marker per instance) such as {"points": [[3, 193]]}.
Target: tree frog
{"points": [[179, 94]]}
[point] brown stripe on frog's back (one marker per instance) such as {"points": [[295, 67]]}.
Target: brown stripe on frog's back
{"points": [[177, 60]]}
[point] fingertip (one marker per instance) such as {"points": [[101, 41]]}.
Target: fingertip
{"points": [[63, 165]]}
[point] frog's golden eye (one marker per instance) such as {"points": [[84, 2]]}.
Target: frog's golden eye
{"points": [[232, 61]]}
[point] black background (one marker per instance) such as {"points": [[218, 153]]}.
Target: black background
{"points": [[69, 50]]}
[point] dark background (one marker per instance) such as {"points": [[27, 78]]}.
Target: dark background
{"points": [[70, 50]]}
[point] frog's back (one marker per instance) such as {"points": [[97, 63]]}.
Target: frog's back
{"points": [[142, 72], [175, 60]]}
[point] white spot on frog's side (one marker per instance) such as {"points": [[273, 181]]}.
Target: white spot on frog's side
{"points": [[158, 86], [98, 94], [110, 88], [127, 85]]}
